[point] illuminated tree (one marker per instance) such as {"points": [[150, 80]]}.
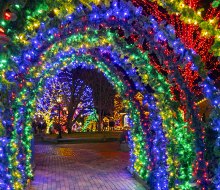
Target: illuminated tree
{"points": [[81, 102], [48, 101], [76, 98], [102, 90], [90, 120]]}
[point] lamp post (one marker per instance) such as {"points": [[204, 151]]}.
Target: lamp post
{"points": [[59, 100]]}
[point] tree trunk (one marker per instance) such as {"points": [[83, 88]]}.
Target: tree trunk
{"points": [[99, 123], [69, 119], [68, 125]]}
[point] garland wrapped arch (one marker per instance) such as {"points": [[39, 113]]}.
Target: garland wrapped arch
{"points": [[32, 55], [157, 84], [134, 77], [66, 54], [120, 90]]}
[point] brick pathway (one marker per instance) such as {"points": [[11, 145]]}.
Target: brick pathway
{"points": [[94, 166]]}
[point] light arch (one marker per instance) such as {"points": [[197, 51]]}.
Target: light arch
{"points": [[167, 122], [136, 118], [78, 57], [29, 57]]}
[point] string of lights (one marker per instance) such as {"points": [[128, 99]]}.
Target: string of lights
{"points": [[167, 149]]}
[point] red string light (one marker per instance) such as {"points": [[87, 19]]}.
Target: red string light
{"points": [[7, 15]]}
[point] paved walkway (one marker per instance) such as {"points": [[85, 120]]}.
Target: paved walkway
{"points": [[94, 166]]}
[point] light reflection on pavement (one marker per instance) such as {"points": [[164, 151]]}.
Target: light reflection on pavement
{"points": [[94, 166]]}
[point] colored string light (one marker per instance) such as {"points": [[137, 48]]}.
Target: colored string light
{"points": [[155, 172]]}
